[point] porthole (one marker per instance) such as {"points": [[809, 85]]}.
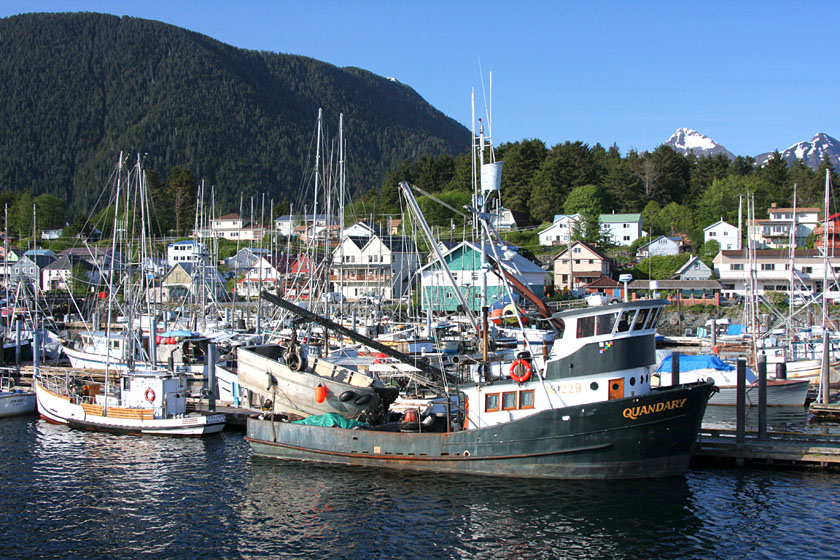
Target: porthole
{"points": [[615, 386], [632, 381], [593, 386]]}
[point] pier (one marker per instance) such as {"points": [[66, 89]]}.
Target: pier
{"points": [[788, 449]]}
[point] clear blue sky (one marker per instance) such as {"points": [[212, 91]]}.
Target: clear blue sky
{"points": [[753, 75]]}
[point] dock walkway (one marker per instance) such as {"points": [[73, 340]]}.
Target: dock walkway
{"points": [[779, 448]]}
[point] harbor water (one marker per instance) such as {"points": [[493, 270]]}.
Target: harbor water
{"points": [[74, 494]]}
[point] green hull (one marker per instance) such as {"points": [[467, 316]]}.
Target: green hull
{"points": [[635, 437]]}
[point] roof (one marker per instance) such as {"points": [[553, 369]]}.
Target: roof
{"points": [[66, 262], [719, 222], [798, 210], [603, 282], [677, 240], [233, 216], [688, 263], [187, 242], [514, 263], [774, 253], [598, 253], [619, 218]]}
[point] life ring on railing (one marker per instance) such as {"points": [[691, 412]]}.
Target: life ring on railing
{"points": [[520, 371], [150, 394]]}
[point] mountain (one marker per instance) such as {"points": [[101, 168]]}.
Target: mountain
{"points": [[686, 140], [810, 153], [79, 88]]}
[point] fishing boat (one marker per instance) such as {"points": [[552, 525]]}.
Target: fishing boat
{"points": [[780, 392], [587, 410], [285, 381], [14, 401], [138, 403]]}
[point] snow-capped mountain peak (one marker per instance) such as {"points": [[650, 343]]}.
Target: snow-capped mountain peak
{"points": [[686, 140], [810, 153]]}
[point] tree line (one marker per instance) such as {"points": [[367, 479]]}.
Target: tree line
{"points": [[675, 193]]}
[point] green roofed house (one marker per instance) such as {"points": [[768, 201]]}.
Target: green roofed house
{"points": [[464, 261], [624, 229]]}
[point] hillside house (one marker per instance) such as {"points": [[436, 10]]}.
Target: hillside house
{"points": [[464, 261], [622, 229], [579, 265], [374, 266], [727, 235]]}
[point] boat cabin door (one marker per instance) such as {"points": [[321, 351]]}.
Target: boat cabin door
{"points": [[616, 389]]}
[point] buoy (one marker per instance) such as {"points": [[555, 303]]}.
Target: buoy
{"points": [[320, 393], [363, 400], [346, 396]]}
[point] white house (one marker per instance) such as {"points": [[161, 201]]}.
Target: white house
{"points": [[359, 229], [623, 229], [560, 232], [373, 266], [286, 225], [661, 246], [773, 271], [774, 233], [725, 234], [186, 251]]}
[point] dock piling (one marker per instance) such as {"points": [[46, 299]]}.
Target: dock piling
{"points": [[762, 397], [675, 368], [741, 402]]}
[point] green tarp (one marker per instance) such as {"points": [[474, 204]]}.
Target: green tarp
{"points": [[332, 419]]}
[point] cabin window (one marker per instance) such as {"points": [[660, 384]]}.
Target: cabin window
{"points": [[491, 402], [585, 326], [641, 319], [526, 399], [509, 401], [625, 321], [605, 323], [654, 317]]}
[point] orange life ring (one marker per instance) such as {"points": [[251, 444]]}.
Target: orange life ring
{"points": [[516, 367], [150, 394]]}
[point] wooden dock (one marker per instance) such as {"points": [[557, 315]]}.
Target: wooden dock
{"points": [[804, 450]]}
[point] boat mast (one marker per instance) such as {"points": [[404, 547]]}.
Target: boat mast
{"points": [[111, 286], [793, 230], [825, 388]]}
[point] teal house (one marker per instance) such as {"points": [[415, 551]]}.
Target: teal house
{"points": [[464, 261]]}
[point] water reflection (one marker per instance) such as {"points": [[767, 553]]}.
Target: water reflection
{"points": [[72, 494]]}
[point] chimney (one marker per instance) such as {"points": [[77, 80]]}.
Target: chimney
{"points": [[772, 205]]}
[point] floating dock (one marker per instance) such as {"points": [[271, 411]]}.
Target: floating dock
{"points": [[807, 450]]}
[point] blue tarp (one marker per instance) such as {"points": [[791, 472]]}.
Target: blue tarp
{"points": [[689, 363], [735, 329], [331, 419]]}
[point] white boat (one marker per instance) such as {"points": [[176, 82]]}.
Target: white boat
{"points": [[780, 392], [13, 400], [139, 403]]}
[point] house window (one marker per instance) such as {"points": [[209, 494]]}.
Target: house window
{"points": [[626, 238], [808, 269], [509, 401], [725, 233], [768, 266], [736, 266], [491, 402], [712, 234], [625, 226], [576, 250]]}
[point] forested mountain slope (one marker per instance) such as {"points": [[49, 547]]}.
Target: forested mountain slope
{"points": [[79, 88]]}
